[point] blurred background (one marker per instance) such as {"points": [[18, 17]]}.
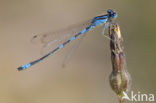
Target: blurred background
{"points": [[85, 79]]}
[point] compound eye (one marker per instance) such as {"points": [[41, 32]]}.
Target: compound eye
{"points": [[109, 11]]}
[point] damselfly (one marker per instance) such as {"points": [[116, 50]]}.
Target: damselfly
{"points": [[49, 39]]}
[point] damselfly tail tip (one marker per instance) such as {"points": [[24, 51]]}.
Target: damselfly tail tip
{"points": [[23, 67], [20, 68]]}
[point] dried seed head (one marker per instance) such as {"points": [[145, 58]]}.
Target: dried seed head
{"points": [[120, 79], [117, 29]]}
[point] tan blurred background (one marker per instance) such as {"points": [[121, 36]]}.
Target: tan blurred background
{"points": [[86, 77]]}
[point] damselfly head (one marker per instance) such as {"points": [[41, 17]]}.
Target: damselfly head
{"points": [[111, 13]]}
